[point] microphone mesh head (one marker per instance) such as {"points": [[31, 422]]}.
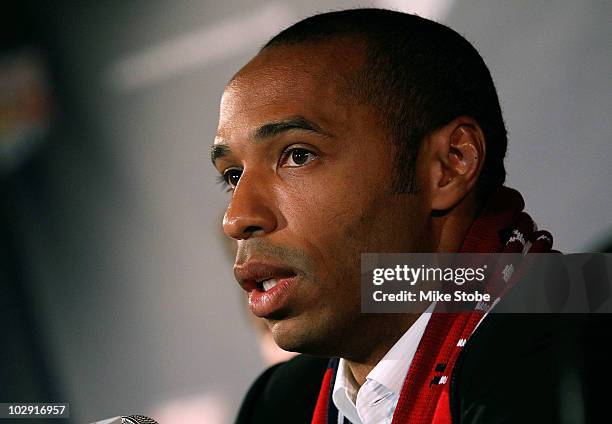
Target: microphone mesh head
{"points": [[137, 419]]}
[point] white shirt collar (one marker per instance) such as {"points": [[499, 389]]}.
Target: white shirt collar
{"points": [[392, 369], [390, 372], [345, 391]]}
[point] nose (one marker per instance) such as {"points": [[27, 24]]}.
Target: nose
{"points": [[251, 211]]}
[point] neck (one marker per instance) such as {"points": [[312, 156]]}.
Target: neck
{"points": [[451, 227], [394, 325], [449, 230]]}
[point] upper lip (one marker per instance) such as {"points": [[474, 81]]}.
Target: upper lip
{"points": [[252, 273]]}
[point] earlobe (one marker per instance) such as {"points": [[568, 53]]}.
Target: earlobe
{"points": [[459, 150]]}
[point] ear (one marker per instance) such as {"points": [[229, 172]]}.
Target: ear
{"points": [[454, 156]]}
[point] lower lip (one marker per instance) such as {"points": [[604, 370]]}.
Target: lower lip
{"points": [[263, 303]]}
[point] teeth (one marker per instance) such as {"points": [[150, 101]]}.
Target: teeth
{"points": [[268, 284]]}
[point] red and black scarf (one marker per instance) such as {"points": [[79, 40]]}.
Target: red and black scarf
{"points": [[502, 227]]}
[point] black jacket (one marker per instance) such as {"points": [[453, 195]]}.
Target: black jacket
{"points": [[515, 368]]}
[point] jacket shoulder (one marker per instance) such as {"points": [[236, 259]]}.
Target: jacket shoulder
{"points": [[285, 392], [532, 368]]}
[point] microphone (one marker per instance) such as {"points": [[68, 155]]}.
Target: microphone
{"points": [[130, 419]]}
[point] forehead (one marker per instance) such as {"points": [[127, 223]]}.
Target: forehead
{"points": [[309, 80]]}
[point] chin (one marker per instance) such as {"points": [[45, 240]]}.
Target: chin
{"points": [[295, 335]]}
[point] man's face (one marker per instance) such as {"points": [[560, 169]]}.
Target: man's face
{"points": [[311, 172]]}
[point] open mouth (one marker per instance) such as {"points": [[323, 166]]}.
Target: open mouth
{"points": [[269, 283], [261, 277], [270, 287]]}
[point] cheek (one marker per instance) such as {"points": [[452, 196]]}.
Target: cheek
{"points": [[335, 229], [338, 212], [325, 214]]}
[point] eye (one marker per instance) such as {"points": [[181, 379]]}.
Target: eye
{"points": [[297, 157], [230, 177]]}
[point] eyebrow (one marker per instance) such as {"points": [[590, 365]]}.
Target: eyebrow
{"points": [[294, 123], [218, 151], [269, 130]]}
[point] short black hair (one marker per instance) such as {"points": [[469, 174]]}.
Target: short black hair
{"points": [[421, 75]]}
